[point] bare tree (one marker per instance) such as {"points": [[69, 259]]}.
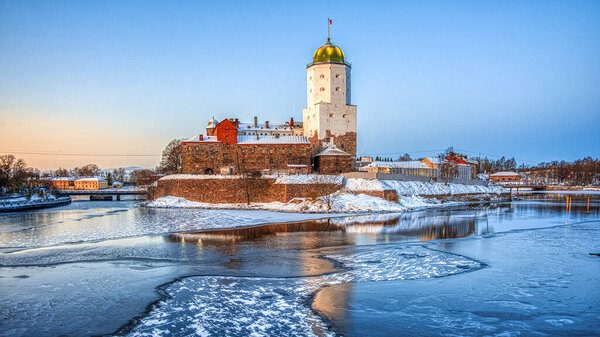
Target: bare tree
{"points": [[323, 188], [448, 170], [118, 174], [172, 159], [88, 170], [142, 177], [14, 173], [61, 172]]}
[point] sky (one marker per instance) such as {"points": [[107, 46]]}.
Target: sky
{"points": [[112, 82]]}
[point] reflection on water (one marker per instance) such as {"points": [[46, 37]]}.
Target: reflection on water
{"points": [[420, 226]]}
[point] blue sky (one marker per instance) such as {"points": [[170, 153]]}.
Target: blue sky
{"points": [[125, 77]]}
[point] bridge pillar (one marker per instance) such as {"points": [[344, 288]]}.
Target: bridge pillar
{"points": [[118, 197]]}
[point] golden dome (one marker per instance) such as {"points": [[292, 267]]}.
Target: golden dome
{"points": [[328, 53]]}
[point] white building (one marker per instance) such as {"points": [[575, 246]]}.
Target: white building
{"points": [[329, 114]]}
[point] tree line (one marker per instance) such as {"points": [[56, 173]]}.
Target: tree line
{"points": [[583, 171]]}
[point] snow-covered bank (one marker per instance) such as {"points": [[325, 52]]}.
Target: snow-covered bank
{"points": [[337, 203], [354, 196], [420, 188]]}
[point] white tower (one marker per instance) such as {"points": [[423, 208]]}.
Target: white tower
{"points": [[329, 115]]}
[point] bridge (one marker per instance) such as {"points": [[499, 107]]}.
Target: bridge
{"points": [[118, 192]]}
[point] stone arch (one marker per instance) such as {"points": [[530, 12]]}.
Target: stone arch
{"points": [[209, 171]]}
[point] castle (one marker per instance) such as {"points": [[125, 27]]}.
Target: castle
{"points": [[324, 142]]}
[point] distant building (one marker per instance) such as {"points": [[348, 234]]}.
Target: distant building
{"points": [[466, 170], [91, 183], [63, 183], [408, 168], [505, 177], [117, 184]]}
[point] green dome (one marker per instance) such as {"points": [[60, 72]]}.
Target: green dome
{"points": [[328, 53]]}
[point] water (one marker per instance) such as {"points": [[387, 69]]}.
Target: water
{"points": [[98, 268]]}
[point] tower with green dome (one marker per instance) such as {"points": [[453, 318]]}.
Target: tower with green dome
{"points": [[329, 116]]}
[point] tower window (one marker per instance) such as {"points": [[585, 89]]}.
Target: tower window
{"points": [[338, 89], [331, 115], [310, 91], [338, 76], [322, 89], [322, 76]]}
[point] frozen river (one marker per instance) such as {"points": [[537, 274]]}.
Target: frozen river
{"points": [[113, 268]]}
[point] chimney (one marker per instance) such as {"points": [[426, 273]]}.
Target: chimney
{"points": [[201, 138], [255, 121], [266, 124], [276, 136], [236, 123]]}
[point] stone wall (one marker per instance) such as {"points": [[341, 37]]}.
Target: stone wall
{"points": [[207, 157], [238, 190], [389, 195]]}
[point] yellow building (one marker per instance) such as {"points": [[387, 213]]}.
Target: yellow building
{"points": [[92, 183], [63, 183]]}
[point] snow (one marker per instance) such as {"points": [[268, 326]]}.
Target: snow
{"points": [[419, 188], [309, 179], [245, 140], [332, 150], [91, 179], [407, 164], [197, 177], [351, 198], [505, 174]]}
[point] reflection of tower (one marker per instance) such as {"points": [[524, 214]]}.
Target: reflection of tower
{"points": [[328, 115]]}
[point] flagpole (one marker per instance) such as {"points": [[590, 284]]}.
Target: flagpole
{"points": [[328, 26]]}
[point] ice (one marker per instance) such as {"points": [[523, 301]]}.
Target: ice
{"points": [[273, 306]]}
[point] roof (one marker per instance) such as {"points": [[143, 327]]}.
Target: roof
{"points": [[250, 140], [504, 174], [328, 53], [405, 164], [62, 179], [206, 139], [262, 126], [91, 179], [435, 160], [332, 150]]}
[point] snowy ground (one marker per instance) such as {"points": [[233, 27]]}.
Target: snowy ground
{"points": [[349, 199]]}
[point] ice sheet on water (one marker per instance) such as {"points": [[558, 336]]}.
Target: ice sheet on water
{"points": [[208, 305], [227, 306]]}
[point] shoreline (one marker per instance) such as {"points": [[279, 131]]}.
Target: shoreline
{"points": [[428, 202]]}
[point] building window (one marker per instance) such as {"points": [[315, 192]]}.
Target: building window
{"points": [[338, 76], [338, 89], [345, 116], [322, 76], [322, 89], [331, 115], [271, 161], [226, 137]]}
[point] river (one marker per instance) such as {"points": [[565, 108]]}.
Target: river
{"points": [[114, 268]]}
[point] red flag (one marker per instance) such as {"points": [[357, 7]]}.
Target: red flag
{"points": [[330, 22]]}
